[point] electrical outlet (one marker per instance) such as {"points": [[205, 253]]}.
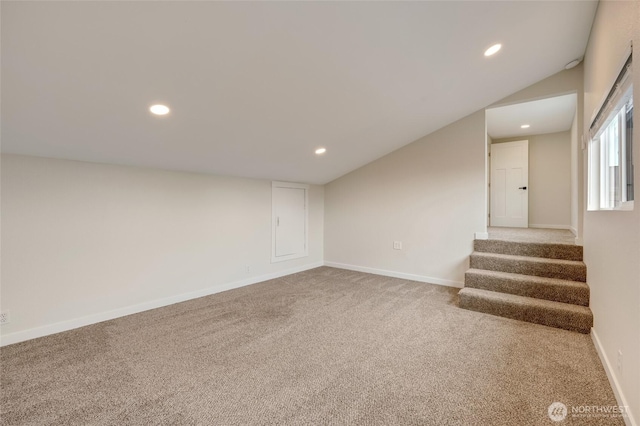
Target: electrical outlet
{"points": [[620, 360], [397, 245], [248, 269], [4, 317]]}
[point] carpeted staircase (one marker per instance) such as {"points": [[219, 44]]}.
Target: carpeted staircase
{"points": [[535, 282]]}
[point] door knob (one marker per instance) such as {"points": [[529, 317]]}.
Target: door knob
{"points": [[523, 187]]}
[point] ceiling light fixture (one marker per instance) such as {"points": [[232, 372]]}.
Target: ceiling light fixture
{"points": [[492, 50], [525, 126], [321, 151], [572, 64], [159, 109]]}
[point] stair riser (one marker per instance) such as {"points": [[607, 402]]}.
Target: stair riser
{"points": [[549, 251], [529, 288], [576, 272], [553, 318]]}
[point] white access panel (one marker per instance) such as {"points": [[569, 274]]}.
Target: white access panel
{"points": [[289, 221]]}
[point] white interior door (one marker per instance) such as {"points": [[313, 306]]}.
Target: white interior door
{"points": [[289, 222], [509, 184]]}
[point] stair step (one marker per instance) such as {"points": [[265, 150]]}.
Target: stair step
{"points": [[546, 250], [538, 311], [541, 267], [554, 289]]}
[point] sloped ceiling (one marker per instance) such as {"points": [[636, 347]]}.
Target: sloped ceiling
{"points": [[542, 116], [255, 87]]}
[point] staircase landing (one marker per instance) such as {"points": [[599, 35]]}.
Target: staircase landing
{"points": [[532, 235]]}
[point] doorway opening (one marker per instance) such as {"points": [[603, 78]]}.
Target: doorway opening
{"points": [[532, 164]]}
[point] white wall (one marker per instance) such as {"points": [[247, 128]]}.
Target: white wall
{"points": [[83, 242], [612, 239], [430, 195], [549, 179], [489, 142], [576, 155]]}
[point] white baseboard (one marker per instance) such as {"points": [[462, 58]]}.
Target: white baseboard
{"points": [[573, 230], [579, 241], [394, 274], [481, 235], [21, 336], [537, 225], [613, 380]]}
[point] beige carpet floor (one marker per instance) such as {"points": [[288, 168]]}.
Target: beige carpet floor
{"points": [[326, 346]]}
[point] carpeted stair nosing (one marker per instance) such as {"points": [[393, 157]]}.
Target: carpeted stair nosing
{"points": [[539, 311], [554, 289], [542, 267], [531, 249]]}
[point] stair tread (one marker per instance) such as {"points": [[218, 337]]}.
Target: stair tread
{"points": [[530, 301], [574, 270], [530, 248], [533, 243], [528, 258], [531, 278]]}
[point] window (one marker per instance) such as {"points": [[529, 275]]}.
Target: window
{"points": [[610, 165]]}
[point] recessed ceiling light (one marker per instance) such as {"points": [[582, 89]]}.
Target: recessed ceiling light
{"points": [[159, 109], [525, 126], [493, 49], [572, 64], [321, 151]]}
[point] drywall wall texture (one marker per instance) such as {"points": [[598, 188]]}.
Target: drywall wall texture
{"points": [[612, 238], [80, 239], [428, 195], [549, 179], [576, 156], [489, 142]]}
